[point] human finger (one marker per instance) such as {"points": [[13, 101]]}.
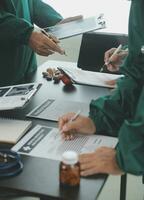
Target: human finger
{"points": [[53, 45], [113, 67], [50, 35], [64, 119], [44, 52], [69, 135], [54, 38], [88, 164], [108, 54]]}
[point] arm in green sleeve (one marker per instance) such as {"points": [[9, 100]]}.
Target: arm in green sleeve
{"points": [[133, 66], [109, 112], [44, 15], [13, 30], [130, 150]]}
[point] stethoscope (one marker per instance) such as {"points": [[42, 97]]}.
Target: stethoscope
{"points": [[10, 163]]}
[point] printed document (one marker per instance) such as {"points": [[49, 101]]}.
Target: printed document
{"points": [[46, 142], [52, 109]]}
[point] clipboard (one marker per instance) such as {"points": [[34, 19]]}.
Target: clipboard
{"points": [[77, 27]]}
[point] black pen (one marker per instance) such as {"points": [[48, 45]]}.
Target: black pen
{"points": [[54, 39]]}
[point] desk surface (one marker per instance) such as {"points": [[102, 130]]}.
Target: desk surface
{"points": [[40, 176], [52, 91]]}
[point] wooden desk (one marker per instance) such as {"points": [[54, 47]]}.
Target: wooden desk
{"points": [[40, 176]]}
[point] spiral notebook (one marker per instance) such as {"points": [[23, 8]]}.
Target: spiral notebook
{"points": [[11, 130]]}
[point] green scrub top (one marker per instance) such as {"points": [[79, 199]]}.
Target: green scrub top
{"points": [[122, 113], [17, 60]]}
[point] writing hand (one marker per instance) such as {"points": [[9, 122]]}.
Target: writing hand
{"points": [[82, 125], [116, 59]]}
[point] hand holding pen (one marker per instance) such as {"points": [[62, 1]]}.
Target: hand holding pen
{"points": [[68, 135], [71, 124], [44, 45], [113, 58], [55, 40]]}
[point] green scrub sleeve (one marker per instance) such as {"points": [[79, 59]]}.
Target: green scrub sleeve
{"points": [[109, 112], [133, 66], [44, 15], [130, 150], [14, 30]]}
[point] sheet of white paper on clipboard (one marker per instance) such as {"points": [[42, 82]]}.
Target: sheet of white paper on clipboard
{"points": [[46, 142], [77, 27]]}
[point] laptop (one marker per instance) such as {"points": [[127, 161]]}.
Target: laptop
{"points": [[16, 96], [94, 45]]}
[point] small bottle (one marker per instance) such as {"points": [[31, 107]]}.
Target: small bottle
{"points": [[69, 169]]}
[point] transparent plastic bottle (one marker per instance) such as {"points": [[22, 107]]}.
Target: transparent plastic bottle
{"points": [[69, 169]]}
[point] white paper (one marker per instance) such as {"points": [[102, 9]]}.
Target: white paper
{"points": [[52, 109], [46, 142], [90, 78]]}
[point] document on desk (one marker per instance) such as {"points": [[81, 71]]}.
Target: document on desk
{"points": [[77, 27], [52, 109], [46, 142], [79, 76]]}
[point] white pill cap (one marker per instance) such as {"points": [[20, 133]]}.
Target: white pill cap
{"points": [[70, 157]]}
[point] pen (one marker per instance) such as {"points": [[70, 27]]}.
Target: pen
{"points": [[54, 39], [114, 53], [73, 118]]}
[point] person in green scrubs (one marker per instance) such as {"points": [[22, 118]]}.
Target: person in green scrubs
{"points": [[120, 114], [19, 41]]}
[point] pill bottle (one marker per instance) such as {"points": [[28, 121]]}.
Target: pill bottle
{"points": [[69, 169]]}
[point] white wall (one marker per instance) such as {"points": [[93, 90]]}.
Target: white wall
{"points": [[71, 46], [116, 14]]}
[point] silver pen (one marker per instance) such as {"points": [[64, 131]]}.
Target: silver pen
{"points": [[73, 118], [114, 53]]}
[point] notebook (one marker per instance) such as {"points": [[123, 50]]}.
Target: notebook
{"points": [[84, 77], [46, 142], [11, 130], [52, 109]]}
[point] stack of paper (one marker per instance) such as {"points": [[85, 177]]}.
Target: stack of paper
{"points": [[11, 130]]}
